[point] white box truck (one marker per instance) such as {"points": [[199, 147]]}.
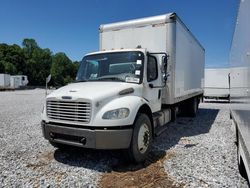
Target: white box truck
{"points": [[17, 81], [216, 84], [145, 72]]}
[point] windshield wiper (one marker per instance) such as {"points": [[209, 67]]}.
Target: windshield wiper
{"points": [[76, 81], [110, 78]]}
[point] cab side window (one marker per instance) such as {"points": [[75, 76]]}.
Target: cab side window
{"points": [[152, 71]]}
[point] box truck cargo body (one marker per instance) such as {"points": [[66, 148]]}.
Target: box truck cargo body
{"points": [[147, 71], [240, 86], [216, 83], [165, 33], [4, 80]]}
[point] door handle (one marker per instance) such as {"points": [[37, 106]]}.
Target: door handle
{"points": [[159, 93]]}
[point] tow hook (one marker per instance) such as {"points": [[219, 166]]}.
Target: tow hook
{"points": [[52, 135], [83, 141]]}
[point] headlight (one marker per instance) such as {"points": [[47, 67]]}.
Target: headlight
{"points": [[119, 113]]}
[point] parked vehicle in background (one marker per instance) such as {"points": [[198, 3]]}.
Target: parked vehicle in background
{"points": [[216, 84], [4, 80], [240, 86], [17, 81], [127, 92]]}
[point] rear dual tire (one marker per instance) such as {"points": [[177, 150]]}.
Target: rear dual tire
{"points": [[194, 104], [189, 108]]}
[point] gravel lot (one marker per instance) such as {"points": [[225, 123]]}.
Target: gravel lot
{"points": [[196, 152]]}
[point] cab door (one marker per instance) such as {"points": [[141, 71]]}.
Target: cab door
{"points": [[153, 83]]}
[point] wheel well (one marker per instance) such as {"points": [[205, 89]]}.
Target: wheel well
{"points": [[145, 109]]}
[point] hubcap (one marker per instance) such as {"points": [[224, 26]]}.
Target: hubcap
{"points": [[143, 138]]}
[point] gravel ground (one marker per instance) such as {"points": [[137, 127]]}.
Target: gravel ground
{"points": [[198, 152], [203, 149], [26, 159]]}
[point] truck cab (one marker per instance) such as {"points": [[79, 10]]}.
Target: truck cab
{"points": [[113, 90]]}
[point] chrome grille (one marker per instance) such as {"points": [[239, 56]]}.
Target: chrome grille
{"points": [[69, 110]]}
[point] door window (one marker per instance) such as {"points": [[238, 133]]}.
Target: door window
{"points": [[152, 72]]}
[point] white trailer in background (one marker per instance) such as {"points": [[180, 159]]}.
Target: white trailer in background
{"points": [[17, 81], [146, 70], [240, 86], [216, 85], [4, 80]]}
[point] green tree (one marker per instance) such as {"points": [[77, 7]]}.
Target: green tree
{"points": [[36, 63], [2, 67], [38, 66], [60, 69], [29, 45], [9, 68], [12, 57], [72, 69]]}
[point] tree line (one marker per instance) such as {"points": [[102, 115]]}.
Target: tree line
{"points": [[37, 63]]}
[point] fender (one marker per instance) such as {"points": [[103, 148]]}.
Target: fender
{"points": [[133, 103]]}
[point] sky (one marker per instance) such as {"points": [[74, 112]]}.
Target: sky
{"points": [[71, 26]]}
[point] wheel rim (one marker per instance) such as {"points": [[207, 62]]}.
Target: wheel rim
{"points": [[143, 138]]}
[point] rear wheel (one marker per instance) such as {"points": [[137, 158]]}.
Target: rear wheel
{"points": [[173, 114], [190, 107], [193, 107], [141, 139]]}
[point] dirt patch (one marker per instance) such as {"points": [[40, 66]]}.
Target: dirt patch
{"points": [[184, 141], [187, 143], [42, 160], [150, 174], [42, 164]]}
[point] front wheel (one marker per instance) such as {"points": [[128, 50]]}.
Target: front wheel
{"points": [[141, 139]]}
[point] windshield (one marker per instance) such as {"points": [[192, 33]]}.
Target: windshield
{"points": [[116, 66]]}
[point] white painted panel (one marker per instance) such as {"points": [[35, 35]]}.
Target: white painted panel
{"points": [[217, 78], [189, 66], [150, 37], [240, 79], [216, 82], [4, 80]]}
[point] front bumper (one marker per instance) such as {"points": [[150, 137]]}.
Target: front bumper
{"points": [[87, 138]]}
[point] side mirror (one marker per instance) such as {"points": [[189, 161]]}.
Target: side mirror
{"points": [[165, 67], [165, 60]]}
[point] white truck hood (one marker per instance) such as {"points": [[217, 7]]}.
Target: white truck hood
{"points": [[93, 90]]}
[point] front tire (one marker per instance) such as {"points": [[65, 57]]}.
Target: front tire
{"points": [[141, 139]]}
